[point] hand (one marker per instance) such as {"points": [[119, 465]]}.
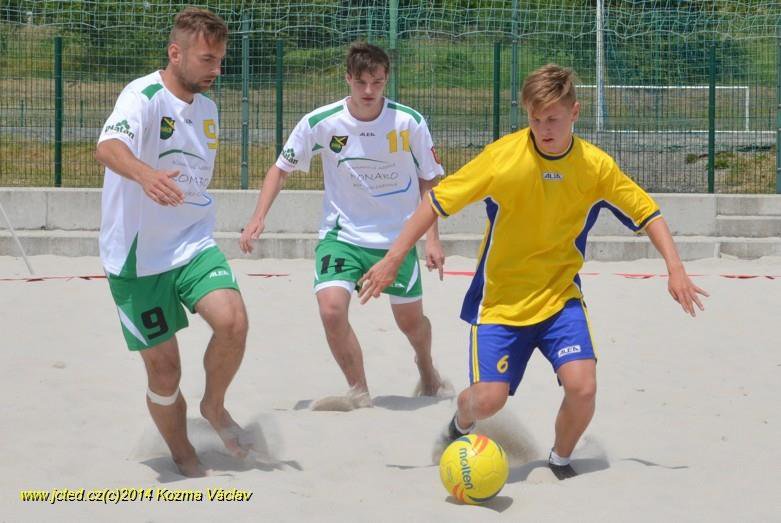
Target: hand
{"points": [[161, 188], [684, 291], [251, 231], [435, 257], [377, 278]]}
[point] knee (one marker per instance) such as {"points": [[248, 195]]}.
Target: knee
{"points": [[164, 376], [583, 391], [333, 316], [482, 403], [233, 326], [412, 325]]}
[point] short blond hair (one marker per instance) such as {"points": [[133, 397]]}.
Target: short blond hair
{"points": [[547, 85], [193, 21]]}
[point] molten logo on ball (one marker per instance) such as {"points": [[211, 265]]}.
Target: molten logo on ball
{"points": [[473, 469]]}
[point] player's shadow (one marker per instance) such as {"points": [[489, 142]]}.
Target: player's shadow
{"points": [[215, 458], [581, 466], [497, 504], [652, 464], [390, 402]]}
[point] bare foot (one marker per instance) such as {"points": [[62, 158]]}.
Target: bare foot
{"points": [[227, 429], [190, 467], [434, 386], [354, 399]]}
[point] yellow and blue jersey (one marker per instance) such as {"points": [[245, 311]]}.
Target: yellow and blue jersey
{"points": [[540, 209]]}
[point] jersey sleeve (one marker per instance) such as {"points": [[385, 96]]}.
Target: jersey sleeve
{"points": [[127, 121], [426, 160], [628, 201], [297, 153], [469, 184]]}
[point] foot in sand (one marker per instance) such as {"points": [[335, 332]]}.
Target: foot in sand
{"points": [[190, 467], [436, 387], [227, 429], [354, 399]]}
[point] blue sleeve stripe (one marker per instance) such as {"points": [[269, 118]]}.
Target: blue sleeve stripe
{"points": [[437, 206], [648, 220]]}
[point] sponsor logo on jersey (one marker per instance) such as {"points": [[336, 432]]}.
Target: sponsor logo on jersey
{"points": [[166, 127], [436, 156], [120, 127], [218, 273], [367, 133], [337, 142], [572, 349], [290, 155], [547, 175]]}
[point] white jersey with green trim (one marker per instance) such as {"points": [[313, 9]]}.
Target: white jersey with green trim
{"points": [[139, 237], [371, 169]]}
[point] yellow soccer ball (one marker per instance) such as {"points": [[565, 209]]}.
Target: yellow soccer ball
{"points": [[473, 469]]}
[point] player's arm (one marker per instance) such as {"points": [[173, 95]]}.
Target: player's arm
{"points": [[158, 185], [383, 273], [435, 254], [680, 286], [272, 184]]}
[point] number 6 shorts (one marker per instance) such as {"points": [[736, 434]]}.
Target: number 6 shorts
{"points": [[150, 307], [501, 352]]}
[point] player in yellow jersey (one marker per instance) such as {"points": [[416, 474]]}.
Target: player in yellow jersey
{"points": [[543, 189]]}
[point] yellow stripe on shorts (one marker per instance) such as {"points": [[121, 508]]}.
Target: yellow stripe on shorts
{"points": [[475, 359], [588, 323]]}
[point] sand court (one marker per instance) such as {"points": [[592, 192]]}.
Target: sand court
{"points": [[687, 423]]}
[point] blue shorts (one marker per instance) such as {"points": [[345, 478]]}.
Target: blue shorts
{"points": [[501, 352]]}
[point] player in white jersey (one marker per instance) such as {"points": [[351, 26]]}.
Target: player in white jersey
{"points": [[378, 158], [156, 245]]}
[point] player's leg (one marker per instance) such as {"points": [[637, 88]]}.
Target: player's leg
{"points": [[566, 342], [333, 302], [337, 269], [406, 294], [167, 406], [207, 286], [498, 355], [410, 319], [150, 314], [579, 380]]}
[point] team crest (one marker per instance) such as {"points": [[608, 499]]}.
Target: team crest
{"points": [[166, 127], [436, 156], [337, 142]]}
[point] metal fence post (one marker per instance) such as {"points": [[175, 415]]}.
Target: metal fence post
{"points": [[279, 95], [58, 111], [711, 119], [244, 105], [778, 112], [514, 123], [497, 86]]}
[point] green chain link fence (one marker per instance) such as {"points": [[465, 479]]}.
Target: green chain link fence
{"points": [[684, 94]]}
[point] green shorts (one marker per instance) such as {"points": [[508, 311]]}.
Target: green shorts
{"points": [[337, 261], [150, 307]]}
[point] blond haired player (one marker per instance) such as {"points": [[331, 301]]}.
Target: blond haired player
{"points": [[543, 189], [156, 245]]}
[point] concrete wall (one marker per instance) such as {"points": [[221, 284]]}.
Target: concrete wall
{"points": [[65, 221]]}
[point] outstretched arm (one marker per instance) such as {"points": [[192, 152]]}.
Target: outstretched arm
{"points": [[435, 254], [383, 273], [272, 184], [680, 286]]}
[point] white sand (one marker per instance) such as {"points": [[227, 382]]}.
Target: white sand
{"points": [[687, 424]]}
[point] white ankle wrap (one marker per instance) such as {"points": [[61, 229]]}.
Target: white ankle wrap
{"points": [[165, 401]]}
